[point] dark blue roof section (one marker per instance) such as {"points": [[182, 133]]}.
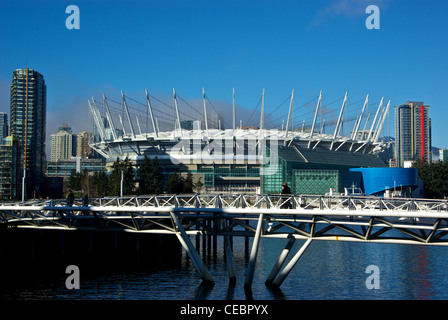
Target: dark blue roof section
{"points": [[327, 157]]}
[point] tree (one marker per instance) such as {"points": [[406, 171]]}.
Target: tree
{"points": [[198, 185], [434, 176], [174, 184], [87, 183], [145, 179], [188, 183], [74, 181], [124, 167], [157, 177], [101, 184], [150, 177]]}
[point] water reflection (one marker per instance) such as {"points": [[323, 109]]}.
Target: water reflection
{"points": [[203, 291], [418, 273], [327, 270]]}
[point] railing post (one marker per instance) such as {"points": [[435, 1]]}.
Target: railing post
{"points": [[351, 204], [197, 201], [218, 201], [293, 202]]}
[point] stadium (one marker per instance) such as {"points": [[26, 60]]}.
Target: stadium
{"points": [[320, 156]]}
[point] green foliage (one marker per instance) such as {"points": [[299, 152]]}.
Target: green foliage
{"points": [[157, 177], [198, 185], [174, 184], [74, 181], [435, 178], [177, 184], [188, 183], [127, 169], [86, 183], [150, 180], [101, 183], [150, 177]]}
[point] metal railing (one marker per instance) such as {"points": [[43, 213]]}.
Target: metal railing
{"points": [[252, 201], [304, 216]]}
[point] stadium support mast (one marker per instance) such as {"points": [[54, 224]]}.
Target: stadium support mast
{"points": [[338, 124], [291, 103], [355, 131], [109, 117], [375, 131], [122, 125], [205, 112], [322, 128], [97, 119], [234, 111], [380, 126], [127, 114], [138, 125], [177, 112], [374, 119], [262, 111], [150, 113], [315, 117], [365, 125]]}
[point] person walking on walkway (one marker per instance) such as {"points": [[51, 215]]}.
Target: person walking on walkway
{"points": [[286, 203], [70, 198]]}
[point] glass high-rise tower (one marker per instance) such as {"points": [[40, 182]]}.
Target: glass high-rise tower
{"points": [[27, 123], [4, 130], [412, 133]]}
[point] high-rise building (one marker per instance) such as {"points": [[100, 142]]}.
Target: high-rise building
{"points": [[412, 133], [65, 128], [63, 144], [4, 130], [443, 154], [28, 124], [10, 168], [83, 149]]}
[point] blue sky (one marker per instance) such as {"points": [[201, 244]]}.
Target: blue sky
{"points": [[248, 45]]}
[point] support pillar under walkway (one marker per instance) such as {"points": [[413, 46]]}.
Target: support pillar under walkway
{"points": [[254, 254], [229, 260], [191, 251], [276, 282], [281, 260]]}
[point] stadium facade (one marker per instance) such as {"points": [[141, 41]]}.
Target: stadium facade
{"points": [[242, 159]]}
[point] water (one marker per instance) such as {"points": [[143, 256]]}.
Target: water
{"points": [[327, 270]]}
